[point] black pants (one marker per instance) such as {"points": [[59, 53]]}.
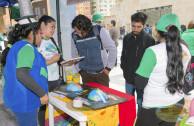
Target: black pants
{"points": [[150, 117], [100, 78], [41, 113]]}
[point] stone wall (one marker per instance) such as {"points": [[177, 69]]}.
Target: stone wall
{"points": [[123, 10]]}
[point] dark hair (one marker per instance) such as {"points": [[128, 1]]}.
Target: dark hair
{"points": [[191, 25], [183, 28], [162, 34], [82, 22], [4, 34], [46, 19], [174, 68], [147, 25], [139, 17], [19, 32], [113, 22]]}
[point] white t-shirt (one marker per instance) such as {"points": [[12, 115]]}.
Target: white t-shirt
{"points": [[48, 50], [155, 93]]}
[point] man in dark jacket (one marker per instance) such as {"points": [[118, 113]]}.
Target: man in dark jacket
{"points": [[134, 45]]}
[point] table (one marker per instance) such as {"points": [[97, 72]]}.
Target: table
{"points": [[62, 105], [127, 110]]}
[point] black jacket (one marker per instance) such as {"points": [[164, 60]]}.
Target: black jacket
{"points": [[132, 53]]}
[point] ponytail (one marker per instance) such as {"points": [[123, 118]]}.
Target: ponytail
{"points": [[174, 68], [13, 37], [19, 32]]}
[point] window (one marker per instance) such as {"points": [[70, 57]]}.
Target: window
{"points": [[154, 14], [166, 7]]}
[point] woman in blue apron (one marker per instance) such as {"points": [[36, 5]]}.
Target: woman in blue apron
{"points": [[25, 85]]}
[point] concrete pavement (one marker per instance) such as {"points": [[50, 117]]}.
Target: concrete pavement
{"points": [[7, 118], [117, 82]]}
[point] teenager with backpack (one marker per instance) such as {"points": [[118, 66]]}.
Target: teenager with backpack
{"points": [[92, 42], [134, 46]]}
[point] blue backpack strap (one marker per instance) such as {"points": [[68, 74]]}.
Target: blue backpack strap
{"points": [[74, 38], [97, 34]]}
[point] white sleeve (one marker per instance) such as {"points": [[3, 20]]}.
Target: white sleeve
{"points": [[74, 54], [109, 45]]}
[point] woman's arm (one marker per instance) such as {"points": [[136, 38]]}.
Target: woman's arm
{"points": [[25, 61], [26, 79], [140, 82], [146, 67], [54, 59]]}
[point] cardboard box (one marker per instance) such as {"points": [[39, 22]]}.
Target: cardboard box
{"points": [[2, 11], [40, 8], [2, 25]]}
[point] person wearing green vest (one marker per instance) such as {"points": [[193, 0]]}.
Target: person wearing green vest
{"points": [[161, 73]]}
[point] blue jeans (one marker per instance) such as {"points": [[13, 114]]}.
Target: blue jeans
{"points": [[130, 89], [27, 119]]}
